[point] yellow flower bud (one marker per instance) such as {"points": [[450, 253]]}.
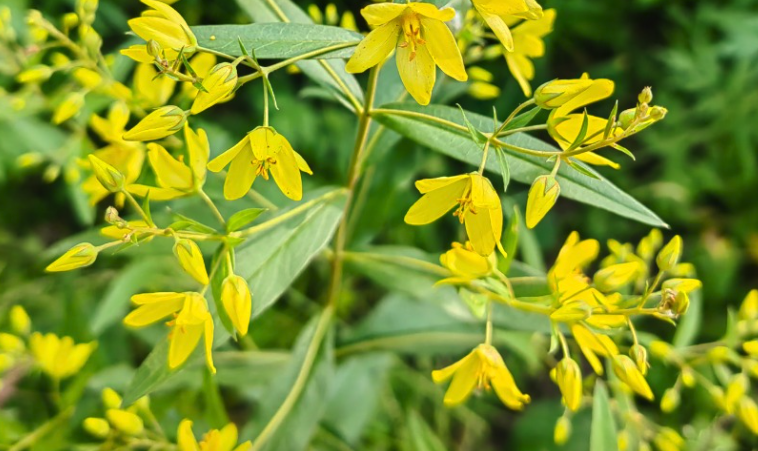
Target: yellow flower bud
{"points": [[143, 404], [124, 421], [571, 312], [111, 399], [153, 48], [639, 354], [191, 259], [646, 96], [70, 20], [752, 368], [79, 256], [88, 78], [35, 74], [97, 427], [616, 276], [68, 108], [627, 371], [686, 285], [108, 176], [669, 256], [219, 84], [163, 122], [20, 321], [657, 113], [542, 196], [749, 307], [466, 263], [661, 349], [556, 93], [650, 244], [11, 344], [562, 431], [235, 295], [86, 9], [668, 439], [751, 347], [623, 440], [747, 412], [568, 376], [483, 91], [688, 377], [670, 400], [737, 388], [681, 303]]}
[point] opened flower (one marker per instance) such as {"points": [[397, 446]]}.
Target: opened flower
{"points": [[59, 357], [483, 368], [422, 40], [478, 204], [261, 152], [528, 44], [499, 13], [466, 264], [165, 26], [224, 439]]}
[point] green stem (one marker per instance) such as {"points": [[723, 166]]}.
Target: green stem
{"points": [[513, 115], [43, 430], [208, 201], [488, 329], [133, 202], [530, 128]]}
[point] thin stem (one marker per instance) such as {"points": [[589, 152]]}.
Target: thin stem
{"points": [[422, 116], [208, 201], [133, 202], [265, 103], [484, 157], [488, 330], [530, 128], [513, 115], [564, 343], [43, 430]]}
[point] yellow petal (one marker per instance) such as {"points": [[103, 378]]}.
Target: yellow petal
{"points": [[522, 70], [285, 171], [237, 301], [227, 437], [436, 203], [443, 48], [374, 48], [500, 28], [198, 151], [597, 160], [432, 12], [208, 331], [484, 229], [439, 376], [183, 341], [155, 309], [600, 89], [464, 381], [506, 389], [426, 185], [241, 175], [302, 164], [189, 256], [223, 160], [186, 438], [138, 53], [382, 13], [417, 72], [151, 298], [156, 193], [170, 172]]}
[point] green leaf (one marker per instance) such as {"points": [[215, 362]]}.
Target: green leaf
{"points": [[477, 136], [580, 168], [505, 169], [603, 430], [278, 40], [611, 120], [510, 241], [524, 168], [270, 11], [272, 259], [217, 283], [243, 218], [523, 119], [187, 223], [215, 412], [582, 133], [420, 434]]}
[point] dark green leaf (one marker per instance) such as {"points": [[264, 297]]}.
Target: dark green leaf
{"points": [[523, 119], [477, 136]]}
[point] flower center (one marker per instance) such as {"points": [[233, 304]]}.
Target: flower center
{"points": [[412, 33], [465, 205], [262, 166]]}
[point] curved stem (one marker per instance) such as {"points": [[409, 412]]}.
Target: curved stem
{"points": [[43, 430], [208, 201]]}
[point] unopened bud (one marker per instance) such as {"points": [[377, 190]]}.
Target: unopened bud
{"points": [[124, 421], [153, 48], [163, 122], [627, 117], [562, 431], [108, 176], [749, 307], [623, 440], [97, 427], [669, 256], [111, 216], [670, 400], [657, 113], [21, 324], [747, 411], [35, 74], [681, 303], [719, 354], [111, 399], [668, 439], [646, 96], [688, 377], [661, 349], [79, 256], [639, 354], [542, 197], [191, 259], [574, 311]]}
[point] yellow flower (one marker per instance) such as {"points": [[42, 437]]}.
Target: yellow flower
{"points": [[593, 344], [138, 53], [68, 108], [478, 204], [109, 177], [192, 322], [201, 63], [669, 256], [164, 25], [120, 233], [627, 371], [79, 256], [556, 93], [19, 320], [499, 13], [218, 85], [191, 259], [747, 411], [88, 78], [528, 44], [562, 431], [235, 295], [111, 399], [668, 439], [124, 421], [261, 151], [163, 122], [616, 276], [466, 264], [97, 427], [749, 307], [150, 89], [59, 357], [542, 197], [11, 344], [35, 74], [568, 376], [125, 159], [482, 368], [215, 440], [565, 126], [422, 39]]}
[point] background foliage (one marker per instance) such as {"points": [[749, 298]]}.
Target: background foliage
{"points": [[698, 170]]}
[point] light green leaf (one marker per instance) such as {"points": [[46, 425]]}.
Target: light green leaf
{"points": [[420, 434], [603, 430], [278, 40], [599, 192], [243, 218], [505, 169], [523, 119]]}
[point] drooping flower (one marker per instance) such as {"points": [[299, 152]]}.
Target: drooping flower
{"points": [[527, 45], [237, 301], [465, 263], [219, 84], [59, 357], [261, 152], [422, 40], [500, 13], [568, 376], [543, 195], [163, 122], [482, 368], [189, 256], [224, 439], [165, 26], [79, 256], [627, 371], [478, 204]]}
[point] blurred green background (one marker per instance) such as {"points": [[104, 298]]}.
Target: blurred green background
{"points": [[698, 170]]}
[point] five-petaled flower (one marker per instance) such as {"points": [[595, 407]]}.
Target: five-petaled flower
{"points": [[422, 39], [500, 13]]}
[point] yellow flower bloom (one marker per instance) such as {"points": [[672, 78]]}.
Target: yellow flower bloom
{"points": [[500, 13], [163, 122], [528, 44], [542, 197], [68, 108], [138, 53], [59, 357], [749, 306], [235, 295], [260, 152], [482, 368], [627, 371], [593, 344], [11, 344], [616, 276], [125, 421], [568, 376], [164, 25], [150, 89], [189, 256], [192, 322], [109, 177], [79, 256], [214, 440], [219, 84], [478, 204], [556, 93], [466, 264], [747, 411], [201, 63], [127, 160], [422, 40]]}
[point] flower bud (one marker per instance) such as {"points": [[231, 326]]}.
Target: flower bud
{"points": [[153, 48], [542, 196], [21, 324], [11, 344], [650, 244], [668, 439], [163, 122], [219, 84], [736, 389], [573, 311], [646, 96], [481, 90], [70, 20], [657, 113], [639, 354], [661, 349], [670, 400], [616, 276], [562, 431], [623, 440], [669, 256], [111, 216], [107, 175], [719, 354], [97, 427], [235, 295], [627, 117], [627, 371], [568, 376], [79, 256], [68, 108], [111, 399], [688, 377], [87, 77], [747, 411], [751, 347], [749, 307], [86, 10], [681, 303], [35, 74], [124, 421], [556, 93], [717, 394], [191, 259]]}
